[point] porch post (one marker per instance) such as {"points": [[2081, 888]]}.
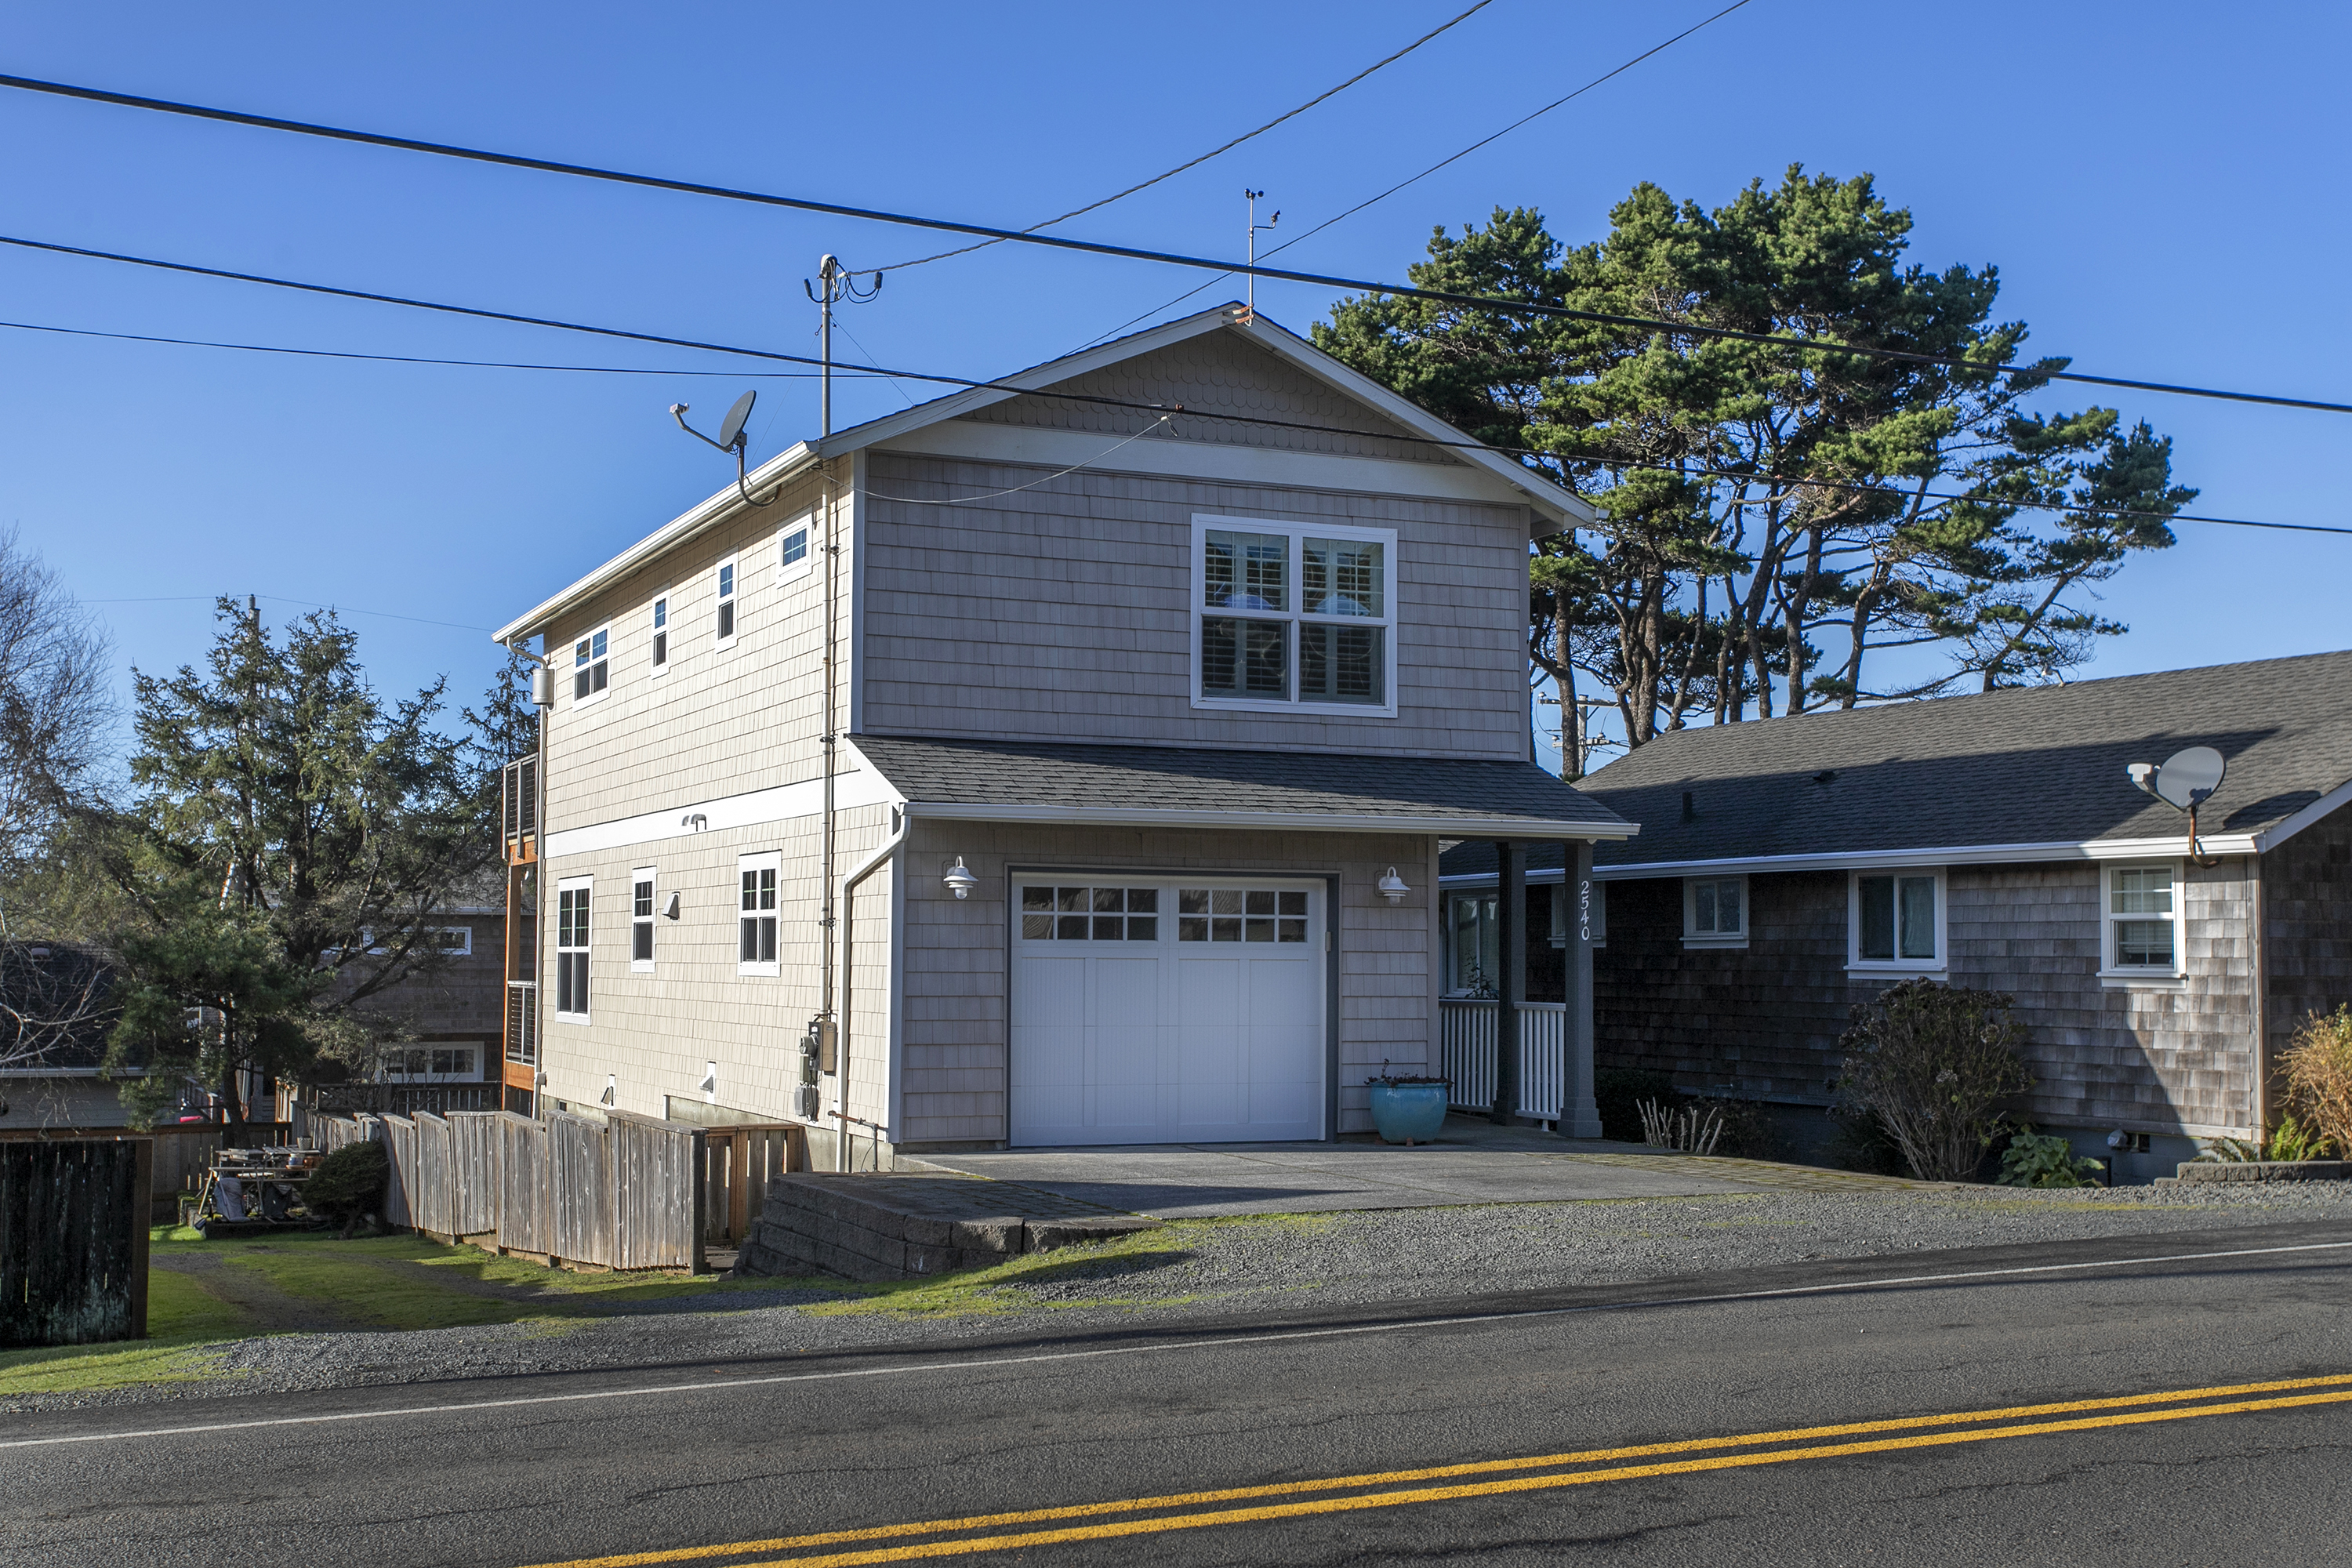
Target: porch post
{"points": [[1511, 983], [1580, 1117]]}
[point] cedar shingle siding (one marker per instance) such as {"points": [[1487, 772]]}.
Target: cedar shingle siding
{"points": [[2308, 924]]}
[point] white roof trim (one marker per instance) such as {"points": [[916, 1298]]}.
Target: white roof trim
{"points": [[2278, 833], [1270, 821], [1949, 855]]}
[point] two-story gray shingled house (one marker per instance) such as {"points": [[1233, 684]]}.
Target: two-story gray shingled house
{"points": [[1156, 673], [1790, 868]]}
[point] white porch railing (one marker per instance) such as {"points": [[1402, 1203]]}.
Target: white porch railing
{"points": [[1466, 1050]]}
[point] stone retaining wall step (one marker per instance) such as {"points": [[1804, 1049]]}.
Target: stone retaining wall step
{"points": [[909, 1227]]}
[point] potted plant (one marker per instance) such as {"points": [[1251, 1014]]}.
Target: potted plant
{"points": [[1406, 1108]]}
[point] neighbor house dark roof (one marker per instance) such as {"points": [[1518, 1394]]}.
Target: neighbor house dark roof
{"points": [[2033, 768], [1011, 781]]}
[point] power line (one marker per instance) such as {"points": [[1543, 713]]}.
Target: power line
{"points": [[281, 599], [973, 382], [1136, 253], [1195, 163]]}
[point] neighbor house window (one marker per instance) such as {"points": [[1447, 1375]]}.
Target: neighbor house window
{"points": [[725, 603], [1714, 912], [1897, 920], [755, 925], [641, 919], [1291, 617], [661, 634], [2143, 919], [455, 942], [430, 1064], [1472, 946], [792, 552], [572, 947], [590, 668]]}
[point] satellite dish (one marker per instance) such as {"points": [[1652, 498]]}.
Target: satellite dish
{"points": [[2187, 779], [732, 426]]}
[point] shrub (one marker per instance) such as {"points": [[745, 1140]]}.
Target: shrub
{"points": [[2289, 1141], [1750, 1132], [1618, 1092], [347, 1183], [1692, 1128], [1862, 1144], [1931, 1064], [2044, 1160], [2319, 1069]]}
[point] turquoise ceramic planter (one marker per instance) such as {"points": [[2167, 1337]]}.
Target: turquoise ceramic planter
{"points": [[1407, 1113]]}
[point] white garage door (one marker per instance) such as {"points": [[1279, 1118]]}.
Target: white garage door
{"points": [[1167, 1012]]}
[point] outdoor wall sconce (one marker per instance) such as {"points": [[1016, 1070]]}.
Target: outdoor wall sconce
{"points": [[694, 822], [670, 910], [959, 880], [709, 1085], [612, 1086], [1392, 887]]}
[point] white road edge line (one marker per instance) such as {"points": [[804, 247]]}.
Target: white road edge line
{"points": [[710, 1385]]}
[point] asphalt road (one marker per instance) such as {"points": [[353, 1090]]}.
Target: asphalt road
{"points": [[2149, 1400]]}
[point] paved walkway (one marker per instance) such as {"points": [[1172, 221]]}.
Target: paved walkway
{"points": [[1474, 1161]]}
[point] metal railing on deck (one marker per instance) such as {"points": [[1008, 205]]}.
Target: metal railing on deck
{"points": [[1466, 1054]]}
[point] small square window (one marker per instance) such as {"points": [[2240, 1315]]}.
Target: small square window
{"points": [[1715, 911]]}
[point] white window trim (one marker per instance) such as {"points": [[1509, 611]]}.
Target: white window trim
{"points": [[1196, 599], [772, 860], [552, 987], [1857, 964], [641, 874], [793, 571], [727, 563], [572, 671], [1695, 938], [2151, 977], [470, 1075], [668, 630], [464, 946]]}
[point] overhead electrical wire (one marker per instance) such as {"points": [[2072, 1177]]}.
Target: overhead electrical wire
{"points": [[1214, 151], [976, 384], [1174, 259]]}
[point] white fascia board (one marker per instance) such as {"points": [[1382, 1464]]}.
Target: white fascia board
{"points": [[782, 469], [1949, 855], [2271, 837], [854, 787], [1265, 821]]}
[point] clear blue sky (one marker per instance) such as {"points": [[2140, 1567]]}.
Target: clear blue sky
{"points": [[2162, 185]]}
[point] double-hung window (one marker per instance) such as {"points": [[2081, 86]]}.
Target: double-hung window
{"points": [[1896, 920], [1289, 617], [641, 920], [755, 925], [591, 670], [661, 634], [726, 622], [572, 898], [792, 556], [2142, 920], [1714, 912], [1474, 961]]}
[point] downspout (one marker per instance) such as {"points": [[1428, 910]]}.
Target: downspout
{"points": [[2257, 918], [866, 868]]}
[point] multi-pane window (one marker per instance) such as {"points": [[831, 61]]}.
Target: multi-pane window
{"points": [[726, 602], [1895, 918], [755, 925], [661, 634], [1293, 615], [1472, 945], [2141, 908], [571, 949], [1240, 914], [427, 1063], [589, 667], [793, 553], [1089, 914], [641, 918], [1715, 909]]}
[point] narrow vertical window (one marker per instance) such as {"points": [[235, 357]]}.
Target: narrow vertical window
{"points": [[641, 919], [725, 603], [572, 902], [755, 925], [589, 672], [661, 634]]}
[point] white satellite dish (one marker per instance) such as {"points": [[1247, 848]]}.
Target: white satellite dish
{"points": [[2187, 779], [732, 426]]}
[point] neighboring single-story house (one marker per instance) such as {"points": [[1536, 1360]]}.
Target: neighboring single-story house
{"points": [[55, 1014], [1789, 868]]}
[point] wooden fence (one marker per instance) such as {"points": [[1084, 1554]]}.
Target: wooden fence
{"points": [[623, 1192], [741, 1157], [73, 1239], [184, 1150]]}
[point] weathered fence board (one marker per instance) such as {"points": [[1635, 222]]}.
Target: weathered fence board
{"points": [[73, 1239], [522, 1184], [738, 1161], [400, 1148], [583, 1186], [654, 1164], [474, 1173]]}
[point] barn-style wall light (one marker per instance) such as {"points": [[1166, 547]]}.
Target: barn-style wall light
{"points": [[959, 880], [1392, 887]]}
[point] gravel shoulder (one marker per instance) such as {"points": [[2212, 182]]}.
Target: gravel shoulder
{"points": [[1191, 1270]]}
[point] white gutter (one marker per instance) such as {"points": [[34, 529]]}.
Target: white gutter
{"points": [[1949, 855], [1279, 821]]}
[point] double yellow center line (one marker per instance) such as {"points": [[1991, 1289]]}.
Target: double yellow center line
{"points": [[1492, 1477]]}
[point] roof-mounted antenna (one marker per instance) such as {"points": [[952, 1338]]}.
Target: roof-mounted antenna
{"points": [[1255, 228], [731, 440], [2183, 781]]}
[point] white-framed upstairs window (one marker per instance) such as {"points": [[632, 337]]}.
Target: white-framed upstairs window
{"points": [[1293, 618], [592, 673], [1714, 912], [659, 617], [641, 920], [755, 918], [795, 548], [1896, 920], [2142, 920], [572, 897], [723, 621]]}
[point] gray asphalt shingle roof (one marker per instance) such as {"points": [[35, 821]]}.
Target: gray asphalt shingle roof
{"points": [[2034, 766], [1288, 788]]}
